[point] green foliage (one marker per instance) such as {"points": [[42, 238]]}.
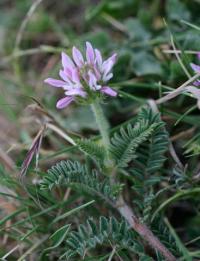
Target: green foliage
{"points": [[77, 175], [180, 177], [107, 232], [163, 233], [177, 10], [58, 237], [150, 157], [127, 140], [95, 151], [151, 154]]}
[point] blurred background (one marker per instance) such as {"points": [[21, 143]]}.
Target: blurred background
{"points": [[32, 36]]}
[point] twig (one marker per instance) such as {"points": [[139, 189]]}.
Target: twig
{"points": [[36, 245], [9, 253], [179, 59], [143, 230], [7, 161], [61, 133], [32, 51], [114, 22], [112, 254], [180, 51], [183, 134], [24, 23], [175, 156], [177, 91]]}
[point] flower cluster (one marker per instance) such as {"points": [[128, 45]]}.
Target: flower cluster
{"points": [[83, 77]]}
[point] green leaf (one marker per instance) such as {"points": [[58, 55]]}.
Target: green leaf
{"points": [[177, 10], [150, 155], [72, 211], [136, 30], [58, 236], [179, 244], [125, 142], [104, 232], [77, 175], [95, 151], [142, 64]]}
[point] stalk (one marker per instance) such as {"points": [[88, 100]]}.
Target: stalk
{"points": [[121, 205], [102, 123], [143, 230]]}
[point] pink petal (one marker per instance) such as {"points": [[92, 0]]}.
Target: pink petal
{"points": [[77, 91], [54, 82], [109, 91], [77, 56], [107, 77], [89, 53], [64, 76], [68, 72], [107, 66], [75, 76], [64, 102], [92, 80], [198, 55], [98, 58], [194, 91], [97, 73], [195, 67], [113, 58], [67, 61], [197, 83]]}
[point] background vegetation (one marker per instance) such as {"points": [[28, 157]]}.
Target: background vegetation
{"points": [[34, 223]]}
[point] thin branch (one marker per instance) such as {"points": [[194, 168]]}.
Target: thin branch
{"points": [[61, 133], [7, 161], [143, 230], [179, 59], [177, 91], [175, 156], [25, 22], [112, 254], [183, 134], [180, 51], [32, 51]]}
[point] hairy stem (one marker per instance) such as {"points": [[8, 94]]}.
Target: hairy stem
{"points": [[143, 230], [101, 122], [121, 206]]}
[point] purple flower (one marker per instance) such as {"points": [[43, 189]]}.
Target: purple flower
{"points": [[196, 69], [80, 76]]}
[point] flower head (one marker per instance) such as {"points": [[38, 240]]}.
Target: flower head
{"points": [[196, 69], [83, 78]]}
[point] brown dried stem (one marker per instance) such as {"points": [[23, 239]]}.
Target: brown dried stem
{"points": [[176, 92], [143, 230]]}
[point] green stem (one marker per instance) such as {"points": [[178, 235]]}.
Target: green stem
{"points": [[177, 196], [102, 123]]}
